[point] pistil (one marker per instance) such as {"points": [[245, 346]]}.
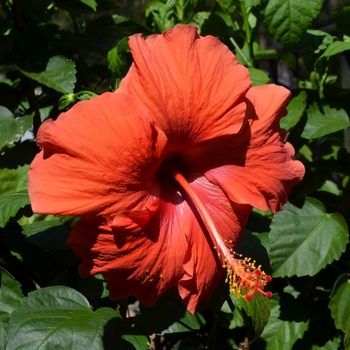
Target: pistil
{"points": [[244, 278]]}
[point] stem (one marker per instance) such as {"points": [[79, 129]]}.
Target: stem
{"points": [[245, 21], [247, 30], [240, 52]]}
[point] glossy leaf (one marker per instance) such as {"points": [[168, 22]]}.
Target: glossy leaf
{"points": [[336, 48], [58, 75], [116, 64], [90, 3], [10, 299], [258, 308], [282, 334], [258, 77], [295, 108], [13, 180], [12, 129], [10, 204], [288, 20], [323, 123], [60, 316], [304, 238], [133, 342], [315, 41]]}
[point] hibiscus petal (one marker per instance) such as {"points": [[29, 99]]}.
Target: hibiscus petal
{"points": [[193, 86], [203, 264], [96, 159], [253, 167], [140, 261]]}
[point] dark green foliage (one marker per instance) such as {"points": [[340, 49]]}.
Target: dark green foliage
{"points": [[56, 53]]}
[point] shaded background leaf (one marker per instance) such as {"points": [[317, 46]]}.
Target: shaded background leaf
{"points": [[58, 75], [288, 20], [10, 204]]}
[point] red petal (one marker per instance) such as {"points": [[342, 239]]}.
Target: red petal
{"points": [[193, 86], [143, 259], [144, 253], [97, 158], [202, 265], [253, 167]]}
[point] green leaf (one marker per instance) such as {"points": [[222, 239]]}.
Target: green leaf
{"points": [[10, 204], [12, 129], [340, 303], [58, 75], [60, 317], [231, 319], [48, 235], [335, 48], [295, 108], [90, 3], [304, 239], [288, 20], [323, 123], [133, 342], [13, 180], [280, 334], [10, 298], [258, 77], [314, 41], [116, 64], [258, 308]]}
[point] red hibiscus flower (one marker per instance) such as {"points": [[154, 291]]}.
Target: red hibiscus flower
{"points": [[165, 171]]}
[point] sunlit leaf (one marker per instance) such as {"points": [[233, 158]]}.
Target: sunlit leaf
{"points": [[61, 315], [288, 20], [10, 299], [58, 75], [295, 108], [304, 238], [336, 48], [12, 129], [133, 342], [258, 308], [90, 3], [10, 204], [13, 180], [314, 41], [320, 123], [281, 334], [258, 77], [116, 64]]}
